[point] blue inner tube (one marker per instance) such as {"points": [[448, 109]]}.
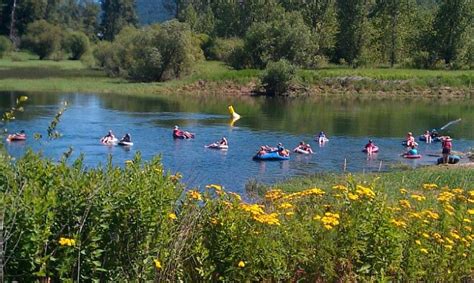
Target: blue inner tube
{"points": [[270, 156], [452, 159]]}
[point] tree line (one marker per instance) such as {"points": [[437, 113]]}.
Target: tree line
{"points": [[252, 33]]}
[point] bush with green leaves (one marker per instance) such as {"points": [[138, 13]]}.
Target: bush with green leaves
{"points": [[278, 77], [155, 53], [222, 48], [66, 222], [5, 45], [77, 44], [43, 38], [286, 37]]}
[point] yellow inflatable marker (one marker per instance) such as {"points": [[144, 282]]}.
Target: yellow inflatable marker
{"points": [[232, 113]]}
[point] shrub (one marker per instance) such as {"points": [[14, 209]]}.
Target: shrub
{"points": [[5, 45], [286, 37], [43, 38], [156, 53], [278, 77], [77, 44], [222, 48]]}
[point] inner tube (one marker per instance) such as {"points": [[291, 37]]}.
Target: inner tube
{"points": [[16, 137], [124, 143], [217, 146], [301, 151], [376, 149], [270, 156], [452, 159], [412, 156], [108, 141], [182, 135]]}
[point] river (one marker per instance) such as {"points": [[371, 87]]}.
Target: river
{"points": [[149, 120]]}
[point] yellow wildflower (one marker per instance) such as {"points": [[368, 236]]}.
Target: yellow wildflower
{"points": [[352, 196], [449, 240], [273, 195], [455, 235], [194, 195], [67, 242], [217, 188], [176, 177], [270, 219], [471, 193], [468, 228], [365, 191], [436, 236], [458, 191], [172, 216], [341, 188], [423, 250], [157, 263], [330, 220], [254, 209], [404, 203], [285, 205], [414, 215], [426, 235], [317, 217], [236, 196], [214, 221], [418, 197], [289, 213], [431, 214], [449, 247], [466, 220], [430, 186], [418, 242], [445, 196], [470, 211], [403, 191], [241, 264], [398, 223]]}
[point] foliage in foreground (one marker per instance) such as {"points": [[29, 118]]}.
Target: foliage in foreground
{"points": [[66, 222]]}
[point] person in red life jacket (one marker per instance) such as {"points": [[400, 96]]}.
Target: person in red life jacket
{"points": [[447, 145]]}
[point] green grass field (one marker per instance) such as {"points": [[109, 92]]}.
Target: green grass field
{"points": [[26, 73], [452, 176]]}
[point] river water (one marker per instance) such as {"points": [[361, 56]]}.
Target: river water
{"points": [[149, 120]]}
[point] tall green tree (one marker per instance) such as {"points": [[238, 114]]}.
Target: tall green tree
{"points": [[117, 14], [353, 29], [452, 21]]}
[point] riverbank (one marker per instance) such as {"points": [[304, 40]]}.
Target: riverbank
{"points": [[26, 73], [459, 175]]}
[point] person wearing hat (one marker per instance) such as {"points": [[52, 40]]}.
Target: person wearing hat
{"points": [[446, 144]]}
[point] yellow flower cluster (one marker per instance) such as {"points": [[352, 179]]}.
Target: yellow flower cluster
{"points": [[67, 242], [217, 188], [431, 214], [254, 209], [270, 219], [445, 197], [470, 211], [365, 191], [236, 196], [352, 196], [398, 223], [430, 187], [241, 264], [404, 203], [341, 188], [418, 197], [329, 220], [157, 263], [194, 195], [310, 192], [273, 195], [172, 216], [403, 191], [285, 205]]}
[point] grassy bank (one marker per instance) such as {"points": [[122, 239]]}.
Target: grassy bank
{"points": [[26, 73], [452, 176]]}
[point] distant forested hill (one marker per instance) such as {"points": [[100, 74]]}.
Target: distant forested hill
{"points": [[151, 11]]}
